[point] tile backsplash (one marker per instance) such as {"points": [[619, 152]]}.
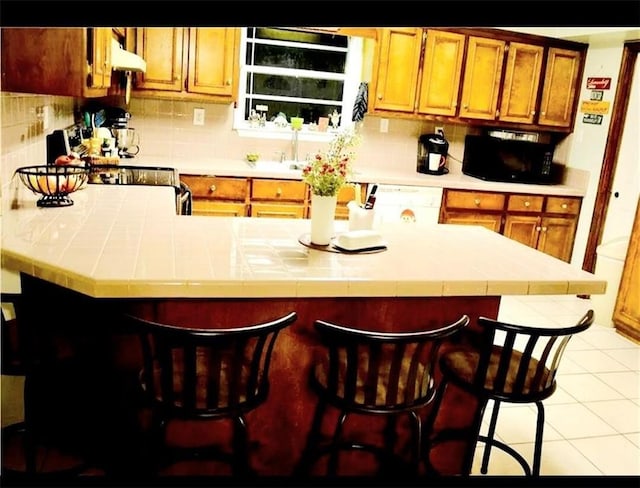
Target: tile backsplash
{"points": [[26, 121], [166, 130]]}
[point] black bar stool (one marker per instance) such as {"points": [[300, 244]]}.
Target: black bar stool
{"points": [[205, 374], [508, 363], [373, 373]]}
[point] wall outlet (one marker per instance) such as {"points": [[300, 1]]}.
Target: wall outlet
{"points": [[198, 116], [384, 125]]}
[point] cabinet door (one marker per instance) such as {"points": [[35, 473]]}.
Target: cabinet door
{"points": [[397, 66], [441, 72], [162, 49], [521, 80], [556, 236], [272, 210], [559, 88], [213, 56], [482, 75], [491, 221], [216, 208], [100, 49], [523, 228], [626, 314]]}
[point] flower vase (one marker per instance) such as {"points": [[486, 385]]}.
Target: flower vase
{"points": [[323, 212]]}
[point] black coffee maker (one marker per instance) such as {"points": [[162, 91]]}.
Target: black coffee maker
{"points": [[432, 154]]}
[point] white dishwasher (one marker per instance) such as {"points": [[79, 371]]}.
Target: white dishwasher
{"points": [[407, 203]]}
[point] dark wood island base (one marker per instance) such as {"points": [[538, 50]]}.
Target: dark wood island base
{"points": [[95, 404]]}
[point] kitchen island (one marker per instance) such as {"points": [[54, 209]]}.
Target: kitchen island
{"points": [[123, 248]]}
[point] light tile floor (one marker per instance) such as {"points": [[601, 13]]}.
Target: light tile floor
{"points": [[593, 419]]}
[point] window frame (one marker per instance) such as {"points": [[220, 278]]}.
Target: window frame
{"points": [[351, 78]]}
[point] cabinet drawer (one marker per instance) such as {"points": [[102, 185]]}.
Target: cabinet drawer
{"points": [[525, 203], [563, 205], [474, 200], [278, 190], [222, 188], [282, 211], [219, 209]]}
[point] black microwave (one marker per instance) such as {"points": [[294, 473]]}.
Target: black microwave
{"points": [[515, 161]]}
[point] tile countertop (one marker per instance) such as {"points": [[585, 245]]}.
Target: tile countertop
{"points": [[223, 167], [127, 241]]}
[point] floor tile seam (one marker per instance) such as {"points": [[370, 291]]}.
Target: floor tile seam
{"points": [[586, 404]]}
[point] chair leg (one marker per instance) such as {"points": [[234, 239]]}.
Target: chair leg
{"points": [[417, 441], [490, 434], [332, 468], [390, 435], [240, 447], [473, 438], [313, 440], [537, 452], [428, 427]]}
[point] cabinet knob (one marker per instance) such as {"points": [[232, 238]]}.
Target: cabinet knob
{"points": [[543, 113], [279, 192], [228, 82], [533, 112], [477, 202], [527, 204], [538, 228], [212, 188], [564, 206], [544, 229], [465, 106], [379, 97]]}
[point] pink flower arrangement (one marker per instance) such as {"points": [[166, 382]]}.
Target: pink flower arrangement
{"points": [[327, 172]]}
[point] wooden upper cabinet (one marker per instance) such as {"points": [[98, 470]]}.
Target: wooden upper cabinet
{"points": [[482, 77], [193, 62], [100, 51], [213, 57], [161, 48], [521, 81], [441, 72], [57, 61], [397, 65], [560, 86]]}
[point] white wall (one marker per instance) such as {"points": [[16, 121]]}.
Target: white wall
{"points": [[586, 145]]}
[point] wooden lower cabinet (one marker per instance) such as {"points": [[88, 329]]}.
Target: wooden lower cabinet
{"points": [[218, 196], [626, 313], [278, 198], [546, 223], [235, 196]]}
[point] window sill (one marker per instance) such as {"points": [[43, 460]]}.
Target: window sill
{"points": [[270, 131]]}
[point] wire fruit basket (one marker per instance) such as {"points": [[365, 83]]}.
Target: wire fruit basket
{"points": [[54, 183]]}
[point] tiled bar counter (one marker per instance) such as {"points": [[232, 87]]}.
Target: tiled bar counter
{"points": [[123, 248]]}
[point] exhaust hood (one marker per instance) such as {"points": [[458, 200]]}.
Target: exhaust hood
{"points": [[123, 60]]}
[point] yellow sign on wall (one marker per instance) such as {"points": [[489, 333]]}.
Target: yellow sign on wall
{"points": [[594, 107]]}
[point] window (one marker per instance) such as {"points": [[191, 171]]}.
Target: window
{"points": [[297, 73]]}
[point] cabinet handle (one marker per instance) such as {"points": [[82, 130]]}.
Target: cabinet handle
{"points": [[564, 206], [212, 188], [477, 202], [527, 204]]}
